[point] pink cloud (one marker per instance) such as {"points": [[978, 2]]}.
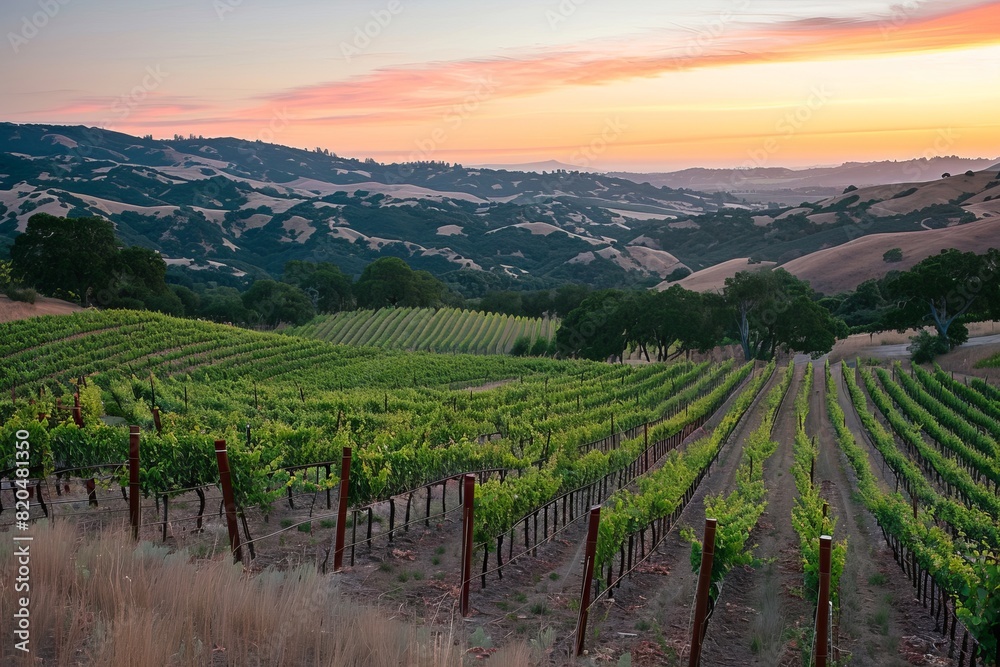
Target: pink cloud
{"points": [[430, 88]]}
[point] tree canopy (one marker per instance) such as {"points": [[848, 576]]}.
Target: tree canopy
{"points": [[773, 310], [944, 290], [329, 288], [764, 310], [69, 257], [389, 281], [273, 302]]}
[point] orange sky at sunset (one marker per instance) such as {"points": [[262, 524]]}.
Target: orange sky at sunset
{"points": [[714, 84]]}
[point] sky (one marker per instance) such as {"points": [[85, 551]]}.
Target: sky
{"points": [[600, 84]]}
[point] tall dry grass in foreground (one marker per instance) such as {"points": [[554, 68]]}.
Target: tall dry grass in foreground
{"points": [[103, 600]]}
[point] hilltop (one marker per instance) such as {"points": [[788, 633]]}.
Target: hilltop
{"points": [[240, 207]]}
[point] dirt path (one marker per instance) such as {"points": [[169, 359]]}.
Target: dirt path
{"points": [[760, 616], [650, 614]]}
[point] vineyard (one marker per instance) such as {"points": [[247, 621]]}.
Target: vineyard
{"points": [[433, 330], [285, 450]]}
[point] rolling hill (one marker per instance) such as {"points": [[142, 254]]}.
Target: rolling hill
{"points": [[241, 207], [235, 210], [843, 268], [961, 211]]}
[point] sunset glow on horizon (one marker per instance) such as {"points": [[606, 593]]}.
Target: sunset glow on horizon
{"points": [[625, 85]]}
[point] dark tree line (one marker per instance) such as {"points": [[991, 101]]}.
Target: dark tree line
{"points": [[81, 260], [762, 311]]}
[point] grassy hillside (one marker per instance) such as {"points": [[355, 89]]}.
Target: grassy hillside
{"points": [[443, 330]]}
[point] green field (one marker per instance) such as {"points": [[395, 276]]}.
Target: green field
{"points": [[428, 329]]}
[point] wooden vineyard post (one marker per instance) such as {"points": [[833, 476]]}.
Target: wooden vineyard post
{"points": [[77, 411], [91, 487], [156, 420], [825, 543], [345, 481], [134, 508], [645, 446], [467, 525], [701, 599], [588, 577], [222, 458]]}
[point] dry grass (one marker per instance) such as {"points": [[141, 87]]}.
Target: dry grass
{"points": [[865, 345], [713, 278], [17, 310], [102, 600], [844, 267]]}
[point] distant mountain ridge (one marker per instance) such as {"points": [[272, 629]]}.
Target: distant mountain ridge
{"points": [[758, 183], [546, 165]]}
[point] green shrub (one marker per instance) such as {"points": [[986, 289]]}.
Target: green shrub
{"points": [[925, 346], [521, 347], [24, 294], [540, 348], [893, 255]]}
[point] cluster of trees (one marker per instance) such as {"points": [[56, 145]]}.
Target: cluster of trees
{"points": [[767, 311], [943, 291], [81, 260], [557, 302], [308, 288], [762, 311]]}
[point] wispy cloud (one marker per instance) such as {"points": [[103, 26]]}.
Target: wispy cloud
{"points": [[148, 107], [413, 91]]}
